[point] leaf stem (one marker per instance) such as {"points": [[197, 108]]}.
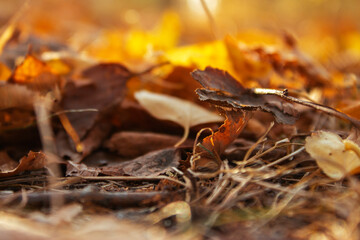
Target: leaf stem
{"points": [[184, 137]]}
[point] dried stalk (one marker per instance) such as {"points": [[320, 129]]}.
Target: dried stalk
{"points": [[42, 108]]}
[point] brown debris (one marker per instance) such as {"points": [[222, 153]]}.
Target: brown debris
{"points": [[33, 161], [151, 164], [134, 144]]}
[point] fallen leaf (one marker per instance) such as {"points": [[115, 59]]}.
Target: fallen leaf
{"points": [[59, 67], [31, 67], [35, 74], [5, 72], [161, 38], [183, 85], [245, 61], [201, 55], [34, 160], [80, 169], [134, 144], [214, 145], [223, 90], [136, 43], [184, 113], [336, 157], [151, 164], [90, 104], [257, 63], [105, 86]]}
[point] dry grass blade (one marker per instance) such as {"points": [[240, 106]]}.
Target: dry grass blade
{"points": [[283, 158], [42, 108], [130, 178], [262, 138]]}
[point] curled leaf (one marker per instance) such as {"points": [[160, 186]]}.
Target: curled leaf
{"points": [[34, 160], [335, 156], [221, 89], [214, 145], [184, 113]]}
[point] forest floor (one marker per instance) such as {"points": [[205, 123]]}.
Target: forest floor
{"points": [[179, 119]]}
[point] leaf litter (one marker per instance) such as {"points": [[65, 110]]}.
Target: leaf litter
{"points": [[154, 132]]}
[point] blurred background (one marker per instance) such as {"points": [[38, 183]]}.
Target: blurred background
{"points": [[230, 16], [322, 28]]}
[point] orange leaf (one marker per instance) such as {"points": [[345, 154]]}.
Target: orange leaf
{"points": [[214, 145], [5, 72], [30, 68]]}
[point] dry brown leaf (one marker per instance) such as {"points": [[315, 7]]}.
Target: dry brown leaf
{"points": [[134, 144], [105, 87], [151, 164], [223, 90], [34, 160], [90, 104], [184, 113], [335, 156]]}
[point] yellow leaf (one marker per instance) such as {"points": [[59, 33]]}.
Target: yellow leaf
{"points": [[258, 38], [164, 36], [245, 62], [201, 55], [335, 156], [136, 44], [59, 67], [29, 69], [5, 72], [184, 113]]}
